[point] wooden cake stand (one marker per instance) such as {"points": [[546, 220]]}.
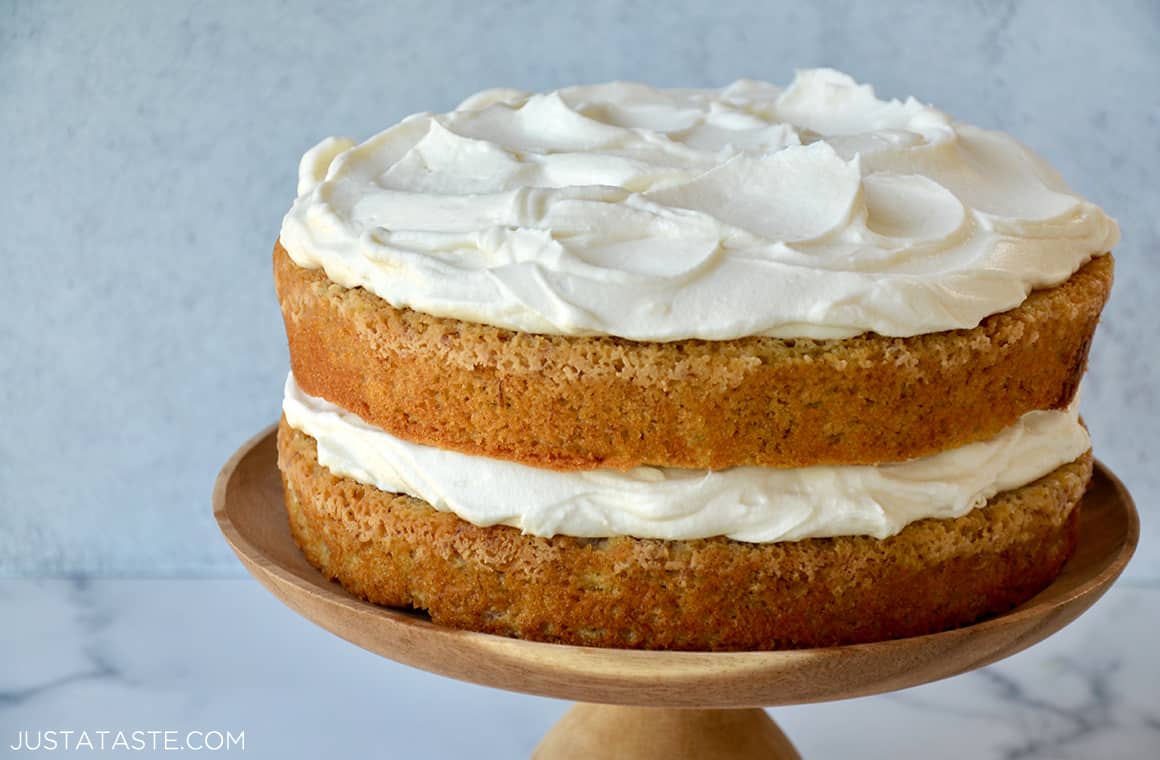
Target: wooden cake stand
{"points": [[640, 705]]}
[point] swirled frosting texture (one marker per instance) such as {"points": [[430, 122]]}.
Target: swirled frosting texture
{"points": [[756, 504], [814, 211]]}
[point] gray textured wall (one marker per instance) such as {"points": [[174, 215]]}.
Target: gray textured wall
{"points": [[148, 151]]}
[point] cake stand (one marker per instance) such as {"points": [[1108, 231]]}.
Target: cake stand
{"points": [[641, 705]]}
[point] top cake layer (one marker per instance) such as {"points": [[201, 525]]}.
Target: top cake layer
{"points": [[817, 211]]}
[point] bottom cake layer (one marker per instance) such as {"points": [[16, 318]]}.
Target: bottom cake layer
{"points": [[705, 594]]}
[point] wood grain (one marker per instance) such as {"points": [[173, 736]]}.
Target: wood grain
{"points": [[591, 732], [248, 507]]}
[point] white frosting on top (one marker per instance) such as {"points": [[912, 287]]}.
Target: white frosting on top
{"points": [[757, 504], [815, 211]]}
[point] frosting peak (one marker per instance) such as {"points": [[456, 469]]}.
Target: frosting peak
{"points": [[815, 211]]}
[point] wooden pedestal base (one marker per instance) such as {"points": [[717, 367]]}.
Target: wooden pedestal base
{"points": [[609, 732]]}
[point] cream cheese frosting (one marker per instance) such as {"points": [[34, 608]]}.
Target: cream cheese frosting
{"points": [[755, 504], [814, 211]]}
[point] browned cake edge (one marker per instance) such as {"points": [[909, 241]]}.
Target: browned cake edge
{"points": [[582, 403], [708, 594]]}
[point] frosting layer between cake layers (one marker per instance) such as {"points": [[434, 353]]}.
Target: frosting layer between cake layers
{"points": [[754, 504], [816, 211]]}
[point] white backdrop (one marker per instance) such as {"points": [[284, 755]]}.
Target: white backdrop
{"points": [[148, 151]]}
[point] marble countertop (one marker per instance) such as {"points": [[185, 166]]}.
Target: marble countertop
{"points": [[224, 655]]}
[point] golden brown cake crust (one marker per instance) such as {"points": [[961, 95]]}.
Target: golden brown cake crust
{"points": [[582, 403], [710, 594]]}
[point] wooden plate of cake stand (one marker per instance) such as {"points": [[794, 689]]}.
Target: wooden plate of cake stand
{"points": [[641, 705]]}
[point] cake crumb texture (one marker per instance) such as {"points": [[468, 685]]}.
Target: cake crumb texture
{"points": [[589, 402], [707, 594]]}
